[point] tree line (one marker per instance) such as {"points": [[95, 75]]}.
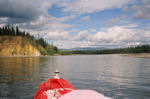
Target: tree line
{"points": [[39, 43], [135, 49]]}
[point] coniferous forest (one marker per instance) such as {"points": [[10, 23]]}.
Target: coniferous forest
{"points": [[39, 42]]}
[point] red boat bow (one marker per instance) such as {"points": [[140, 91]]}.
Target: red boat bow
{"points": [[53, 89], [56, 88]]}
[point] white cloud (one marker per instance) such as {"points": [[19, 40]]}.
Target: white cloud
{"points": [[85, 18], [117, 36], [93, 30], [142, 11], [117, 19], [58, 35], [89, 6], [67, 18], [114, 34], [83, 36], [65, 44], [130, 25]]}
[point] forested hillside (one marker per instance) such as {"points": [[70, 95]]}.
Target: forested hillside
{"points": [[13, 41]]}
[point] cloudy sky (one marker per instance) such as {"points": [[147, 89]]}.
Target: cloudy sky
{"points": [[81, 23]]}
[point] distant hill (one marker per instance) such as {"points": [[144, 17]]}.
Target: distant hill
{"points": [[85, 49], [134, 49]]}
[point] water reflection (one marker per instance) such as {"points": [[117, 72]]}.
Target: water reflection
{"points": [[18, 68], [18, 77]]}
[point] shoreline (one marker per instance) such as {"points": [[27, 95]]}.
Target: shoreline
{"points": [[137, 55], [30, 55], [134, 55]]}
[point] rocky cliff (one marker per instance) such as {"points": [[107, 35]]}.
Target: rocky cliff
{"points": [[17, 46]]}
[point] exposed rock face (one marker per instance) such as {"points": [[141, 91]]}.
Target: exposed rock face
{"points": [[17, 46]]}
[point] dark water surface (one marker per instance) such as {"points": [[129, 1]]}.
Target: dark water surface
{"points": [[112, 75]]}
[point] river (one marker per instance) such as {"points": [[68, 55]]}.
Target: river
{"points": [[112, 75]]}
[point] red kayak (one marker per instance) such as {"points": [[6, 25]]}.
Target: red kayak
{"points": [[56, 88]]}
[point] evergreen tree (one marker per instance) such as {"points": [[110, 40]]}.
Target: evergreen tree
{"points": [[0, 31], [13, 31], [17, 31]]}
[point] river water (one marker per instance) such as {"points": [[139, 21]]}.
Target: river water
{"points": [[112, 75]]}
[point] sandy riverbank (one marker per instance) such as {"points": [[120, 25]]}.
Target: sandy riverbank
{"points": [[139, 55]]}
